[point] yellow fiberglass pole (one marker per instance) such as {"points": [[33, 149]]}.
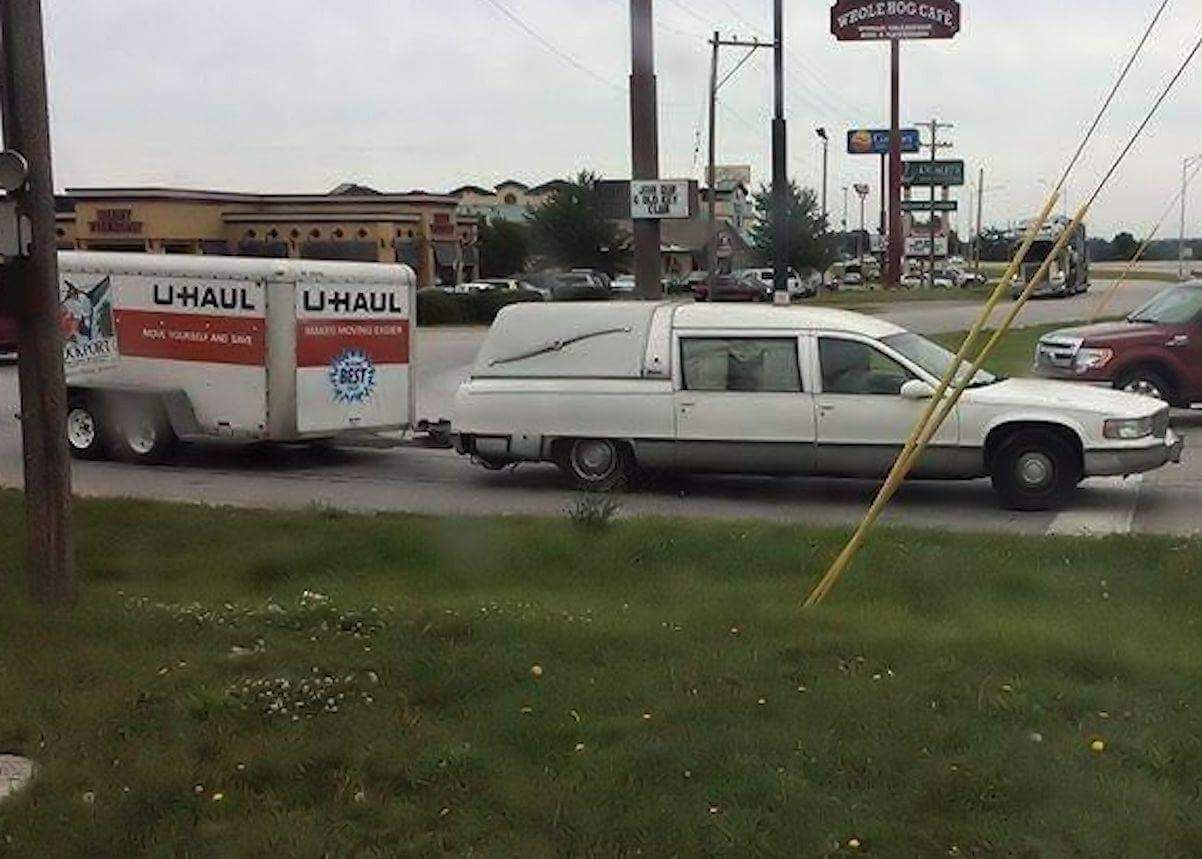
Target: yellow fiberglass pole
{"points": [[897, 473]]}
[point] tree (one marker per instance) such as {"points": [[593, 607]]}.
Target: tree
{"points": [[1123, 246], [571, 229], [504, 247], [811, 245]]}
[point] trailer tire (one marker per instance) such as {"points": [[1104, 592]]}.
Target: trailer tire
{"points": [[87, 428], [141, 431], [596, 464]]}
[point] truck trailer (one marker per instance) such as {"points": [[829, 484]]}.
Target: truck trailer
{"points": [[159, 348]]}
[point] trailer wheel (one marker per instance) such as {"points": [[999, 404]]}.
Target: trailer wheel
{"points": [[597, 464], [87, 436], [141, 432]]}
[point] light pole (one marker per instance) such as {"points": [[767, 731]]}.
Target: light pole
{"points": [[1185, 165], [644, 134], [826, 145], [863, 191]]}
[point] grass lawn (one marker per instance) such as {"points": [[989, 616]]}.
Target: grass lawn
{"points": [[945, 703], [1014, 355]]}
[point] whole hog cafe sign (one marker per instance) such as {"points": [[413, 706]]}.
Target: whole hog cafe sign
{"points": [[870, 20]]}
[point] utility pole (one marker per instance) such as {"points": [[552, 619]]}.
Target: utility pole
{"points": [[780, 169], [33, 282], [863, 191], [826, 145], [717, 43], [934, 127], [895, 241], [845, 190], [976, 236], [1185, 165], [644, 132]]}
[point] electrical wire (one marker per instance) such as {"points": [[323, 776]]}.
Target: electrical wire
{"points": [[552, 47]]}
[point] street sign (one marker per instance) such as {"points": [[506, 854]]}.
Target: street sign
{"points": [[862, 190], [659, 199], [940, 173], [930, 205], [876, 20], [875, 141], [920, 246]]}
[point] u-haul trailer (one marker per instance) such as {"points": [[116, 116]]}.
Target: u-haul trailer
{"points": [[159, 348]]}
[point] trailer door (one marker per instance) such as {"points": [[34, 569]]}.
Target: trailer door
{"points": [[353, 356]]}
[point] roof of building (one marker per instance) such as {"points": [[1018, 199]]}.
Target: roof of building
{"points": [[513, 183], [463, 189], [209, 196], [352, 189], [694, 233], [553, 185]]}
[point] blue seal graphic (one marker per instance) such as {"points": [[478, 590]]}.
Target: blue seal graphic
{"points": [[352, 376]]}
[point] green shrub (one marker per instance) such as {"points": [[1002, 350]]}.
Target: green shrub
{"points": [[435, 307]]}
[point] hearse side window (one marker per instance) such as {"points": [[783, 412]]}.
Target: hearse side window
{"points": [[753, 365], [851, 367]]}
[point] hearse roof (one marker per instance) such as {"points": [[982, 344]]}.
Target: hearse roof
{"points": [[792, 317]]}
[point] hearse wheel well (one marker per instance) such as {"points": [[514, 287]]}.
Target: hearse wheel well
{"points": [[999, 434]]}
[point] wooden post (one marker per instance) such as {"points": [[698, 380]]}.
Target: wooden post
{"points": [[35, 297], [644, 132]]}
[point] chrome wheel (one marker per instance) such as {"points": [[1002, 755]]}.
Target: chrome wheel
{"points": [[81, 429], [1144, 387], [142, 437], [1035, 471], [594, 461]]}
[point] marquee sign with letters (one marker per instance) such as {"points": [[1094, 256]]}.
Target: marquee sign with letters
{"points": [[875, 20]]}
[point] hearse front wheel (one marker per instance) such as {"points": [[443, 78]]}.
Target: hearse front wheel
{"points": [[597, 464], [1035, 470]]}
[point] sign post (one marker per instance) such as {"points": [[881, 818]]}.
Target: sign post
{"points": [[644, 132], [893, 21]]}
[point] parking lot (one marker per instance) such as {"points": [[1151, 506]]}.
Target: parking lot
{"points": [[438, 481]]}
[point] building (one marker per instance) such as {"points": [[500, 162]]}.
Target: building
{"points": [[352, 222], [733, 205], [510, 201]]}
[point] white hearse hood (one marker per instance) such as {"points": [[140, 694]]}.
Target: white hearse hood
{"points": [[1049, 393]]}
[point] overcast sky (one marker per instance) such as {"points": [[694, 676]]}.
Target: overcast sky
{"points": [[298, 95]]}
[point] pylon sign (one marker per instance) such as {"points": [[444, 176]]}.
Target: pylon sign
{"points": [[875, 20]]}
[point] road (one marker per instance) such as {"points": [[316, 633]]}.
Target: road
{"points": [[440, 482]]}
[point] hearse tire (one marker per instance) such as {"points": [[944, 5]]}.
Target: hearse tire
{"points": [[87, 428], [141, 432], [1035, 470], [597, 464], [1147, 381]]}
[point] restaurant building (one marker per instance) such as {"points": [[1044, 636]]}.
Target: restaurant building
{"points": [[352, 222]]}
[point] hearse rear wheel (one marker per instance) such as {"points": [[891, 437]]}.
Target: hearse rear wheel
{"points": [[142, 432], [597, 464], [86, 431]]}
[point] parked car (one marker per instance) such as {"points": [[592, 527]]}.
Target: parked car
{"points": [[728, 287], [798, 288], [1156, 351], [578, 286], [8, 335], [509, 284], [599, 278], [602, 390], [469, 287], [853, 275], [623, 283]]}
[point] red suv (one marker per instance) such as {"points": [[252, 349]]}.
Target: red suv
{"points": [[1156, 351]]}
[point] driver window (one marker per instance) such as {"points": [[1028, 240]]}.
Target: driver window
{"points": [[851, 367]]}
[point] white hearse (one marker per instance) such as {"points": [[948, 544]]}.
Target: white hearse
{"points": [[603, 389], [161, 347]]}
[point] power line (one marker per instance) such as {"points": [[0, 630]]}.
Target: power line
{"points": [[552, 47]]}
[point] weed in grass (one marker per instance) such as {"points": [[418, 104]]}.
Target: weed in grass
{"points": [[594, 512]]}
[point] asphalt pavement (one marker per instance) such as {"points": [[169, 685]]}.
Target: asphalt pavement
{"points": [[416, 479]]}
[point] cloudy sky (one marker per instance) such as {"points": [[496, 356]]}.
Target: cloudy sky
{"points": [[298, 95]]}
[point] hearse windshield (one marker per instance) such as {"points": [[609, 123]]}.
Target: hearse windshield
{"points": [[934, 358], [1177, 306]]}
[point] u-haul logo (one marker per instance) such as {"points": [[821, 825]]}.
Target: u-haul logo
{"points": [[352, 301], [203, 297]]}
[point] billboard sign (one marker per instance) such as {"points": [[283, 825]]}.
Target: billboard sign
{"points": [[655, 199], [939, 173], [875, 141], [930, 205], [875, 20]]}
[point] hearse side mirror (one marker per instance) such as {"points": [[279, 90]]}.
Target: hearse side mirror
{"points": [[917, 389]]}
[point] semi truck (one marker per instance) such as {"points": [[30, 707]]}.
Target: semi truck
{"points": [[159, 348], [1068, 274]]}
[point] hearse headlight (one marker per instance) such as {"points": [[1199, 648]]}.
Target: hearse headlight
{"points": [[1127, 428], [1092, 359]]}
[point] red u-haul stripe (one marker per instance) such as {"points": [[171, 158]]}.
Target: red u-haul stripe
{"points": [[320, 341], [191, 337]]}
